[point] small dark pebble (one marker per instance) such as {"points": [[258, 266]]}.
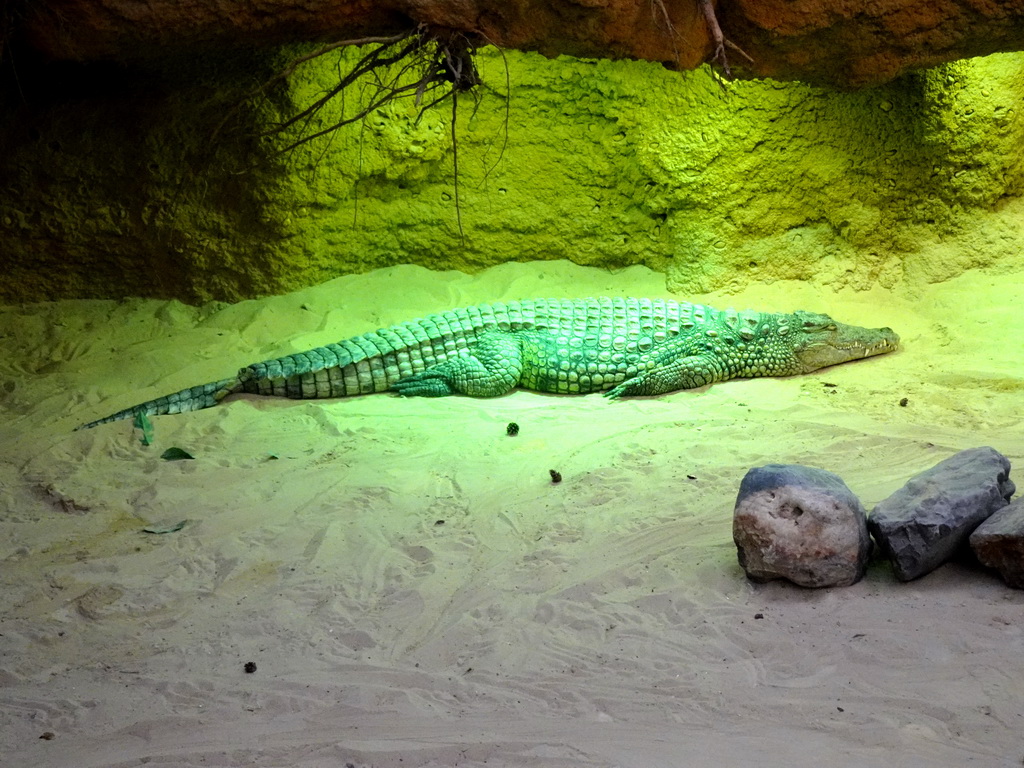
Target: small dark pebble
{"points": [[49, 735], [691, 477], [840, 709], [903, 402], [829, 385], [439, 522], [512, 429], [556, 476], [758, 615], [250, 667]]}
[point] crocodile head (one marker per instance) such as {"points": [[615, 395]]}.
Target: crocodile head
{"points": [[819, 341]]}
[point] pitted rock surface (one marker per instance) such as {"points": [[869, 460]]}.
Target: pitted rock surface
{"points": [[802, 524]]}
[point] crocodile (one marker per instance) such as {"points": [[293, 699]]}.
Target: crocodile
{"points": [[619, 346]]}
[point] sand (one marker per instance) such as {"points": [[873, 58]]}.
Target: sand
{"points": [[413, 589]]}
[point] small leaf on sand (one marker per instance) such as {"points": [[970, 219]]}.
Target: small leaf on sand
{"points": [[164, 528], [175, 454], [143, 423]]}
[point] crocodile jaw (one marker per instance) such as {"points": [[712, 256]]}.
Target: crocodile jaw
{"points": [[836, 343]]}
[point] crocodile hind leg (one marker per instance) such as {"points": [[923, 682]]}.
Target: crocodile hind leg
{"points": [[491, 367]]}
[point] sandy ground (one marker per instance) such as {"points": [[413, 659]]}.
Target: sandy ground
{"points": [[413, 589]]}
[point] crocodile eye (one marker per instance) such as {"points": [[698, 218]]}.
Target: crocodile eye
{"points": [[811, 326]]}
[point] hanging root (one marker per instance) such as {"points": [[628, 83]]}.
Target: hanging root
{"points": [[424, 64], [660, 16], [719, 40]]}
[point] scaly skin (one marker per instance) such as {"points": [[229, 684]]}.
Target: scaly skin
{"points": [[569, 346]]}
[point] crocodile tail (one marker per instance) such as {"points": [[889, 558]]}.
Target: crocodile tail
{"points": [[191, 399]]}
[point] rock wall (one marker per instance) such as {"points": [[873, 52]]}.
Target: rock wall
{"points": [[130, 182], [114, 185]]}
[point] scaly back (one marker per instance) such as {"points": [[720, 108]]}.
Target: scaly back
{"points": [[375, 361]]}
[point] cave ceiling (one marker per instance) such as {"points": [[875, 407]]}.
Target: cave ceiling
{"points": [[842, 43]]}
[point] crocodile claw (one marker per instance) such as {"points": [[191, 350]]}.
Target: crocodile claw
{"points": [[619, 390]]}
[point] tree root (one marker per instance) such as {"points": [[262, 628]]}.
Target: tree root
{"points": [[427, 65], [719, 40]]}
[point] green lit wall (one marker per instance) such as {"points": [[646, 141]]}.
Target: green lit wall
{"points": [[604, 163]]}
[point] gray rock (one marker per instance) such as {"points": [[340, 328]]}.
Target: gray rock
{"points": [[925, 522], [802, 524], [999, 543]]}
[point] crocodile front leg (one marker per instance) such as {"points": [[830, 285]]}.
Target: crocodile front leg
{"points": [[683, 363], [489, 368], [687, 372]]}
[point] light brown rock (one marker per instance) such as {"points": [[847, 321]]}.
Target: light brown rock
{"points": [[801, 524]]}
